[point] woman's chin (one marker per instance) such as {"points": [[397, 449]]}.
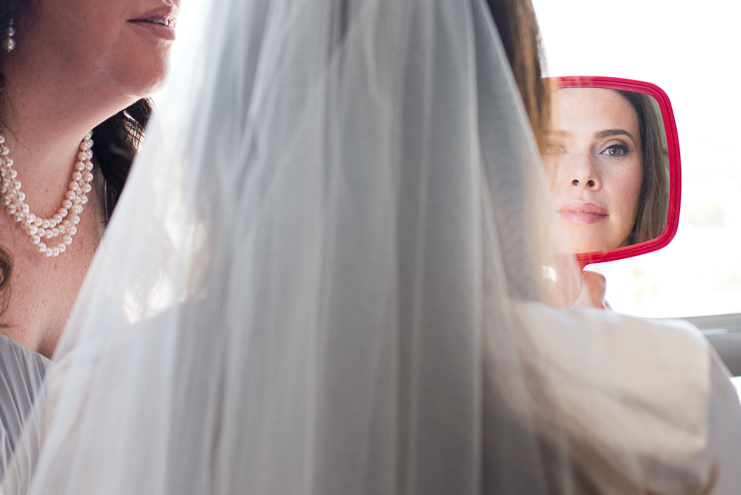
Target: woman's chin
{"points": [[591, 244], [146, 78], [583, 238], [589, 248]]}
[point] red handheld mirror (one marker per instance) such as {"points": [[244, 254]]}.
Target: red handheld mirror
{"points": [[670, 145]]}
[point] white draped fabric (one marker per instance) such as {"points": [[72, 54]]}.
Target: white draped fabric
{"points": [[326, 276], [22, 374]]}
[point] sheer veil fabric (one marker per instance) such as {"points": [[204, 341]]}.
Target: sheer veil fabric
{"points": [[314, 280]]}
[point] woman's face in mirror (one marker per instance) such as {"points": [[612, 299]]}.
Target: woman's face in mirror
{"points": [[595, 163], [123, 44]]}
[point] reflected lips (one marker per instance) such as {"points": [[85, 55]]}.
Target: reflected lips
{"points": [[159, 22], [579, 212]]}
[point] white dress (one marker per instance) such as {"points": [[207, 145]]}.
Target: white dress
{"points": [[21, 378], [678, 412]]}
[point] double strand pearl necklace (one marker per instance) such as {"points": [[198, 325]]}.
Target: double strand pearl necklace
{"points": [[67, 217]]}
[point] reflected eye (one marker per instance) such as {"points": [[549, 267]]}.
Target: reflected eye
{"points": [[555, 149], [615, 150]]}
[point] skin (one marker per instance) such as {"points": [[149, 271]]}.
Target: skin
{"points": [[593, 291], [76, 63], [594, 158]]}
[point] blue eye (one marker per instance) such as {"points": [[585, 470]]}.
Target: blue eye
{"points": [[615, 150]]}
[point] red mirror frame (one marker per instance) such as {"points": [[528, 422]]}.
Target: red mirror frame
{"points": [[675, 172]]}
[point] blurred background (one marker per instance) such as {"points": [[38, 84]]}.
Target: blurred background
{"points": [[690, 50]]}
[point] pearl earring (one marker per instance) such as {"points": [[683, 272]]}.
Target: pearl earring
{"points": [[8, 41]]}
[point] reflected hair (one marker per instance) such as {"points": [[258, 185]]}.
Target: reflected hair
{"points": [[653, 203], [520, 35], [116, 140]]}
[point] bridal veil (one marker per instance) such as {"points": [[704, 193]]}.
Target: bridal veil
{"points": [[314, 279]]}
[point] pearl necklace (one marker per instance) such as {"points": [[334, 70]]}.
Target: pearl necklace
{"points": [[39, 228]]}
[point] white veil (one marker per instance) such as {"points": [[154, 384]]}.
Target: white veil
{"points": [[310, 284]]}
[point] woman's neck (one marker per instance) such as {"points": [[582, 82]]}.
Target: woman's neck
{"points": [[45, 115], [44, 159]]}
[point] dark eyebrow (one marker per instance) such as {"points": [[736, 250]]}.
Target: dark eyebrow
{"points": [[615, 132], [600, 135]]}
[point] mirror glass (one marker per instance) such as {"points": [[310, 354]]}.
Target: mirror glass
{"points": [[607, 161]]}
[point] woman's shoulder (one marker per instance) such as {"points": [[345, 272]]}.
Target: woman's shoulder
{"points": [[654, 387], [22, 373], [674, 348], [11, 352]]}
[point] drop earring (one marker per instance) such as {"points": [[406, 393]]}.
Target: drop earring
{"points": [[8, 41]]}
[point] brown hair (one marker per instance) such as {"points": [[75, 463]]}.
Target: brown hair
{"points": [[653, 203], [116, 141], [520, 35]]}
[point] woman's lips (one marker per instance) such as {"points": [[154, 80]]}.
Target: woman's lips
{"points": [[159, 22], [166, 33], [580, 212]]}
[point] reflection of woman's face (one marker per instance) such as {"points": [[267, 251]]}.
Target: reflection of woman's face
{"points": [[595, 162]]}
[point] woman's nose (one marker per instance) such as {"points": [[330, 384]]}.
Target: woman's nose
{"points": [[584, 173]]}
